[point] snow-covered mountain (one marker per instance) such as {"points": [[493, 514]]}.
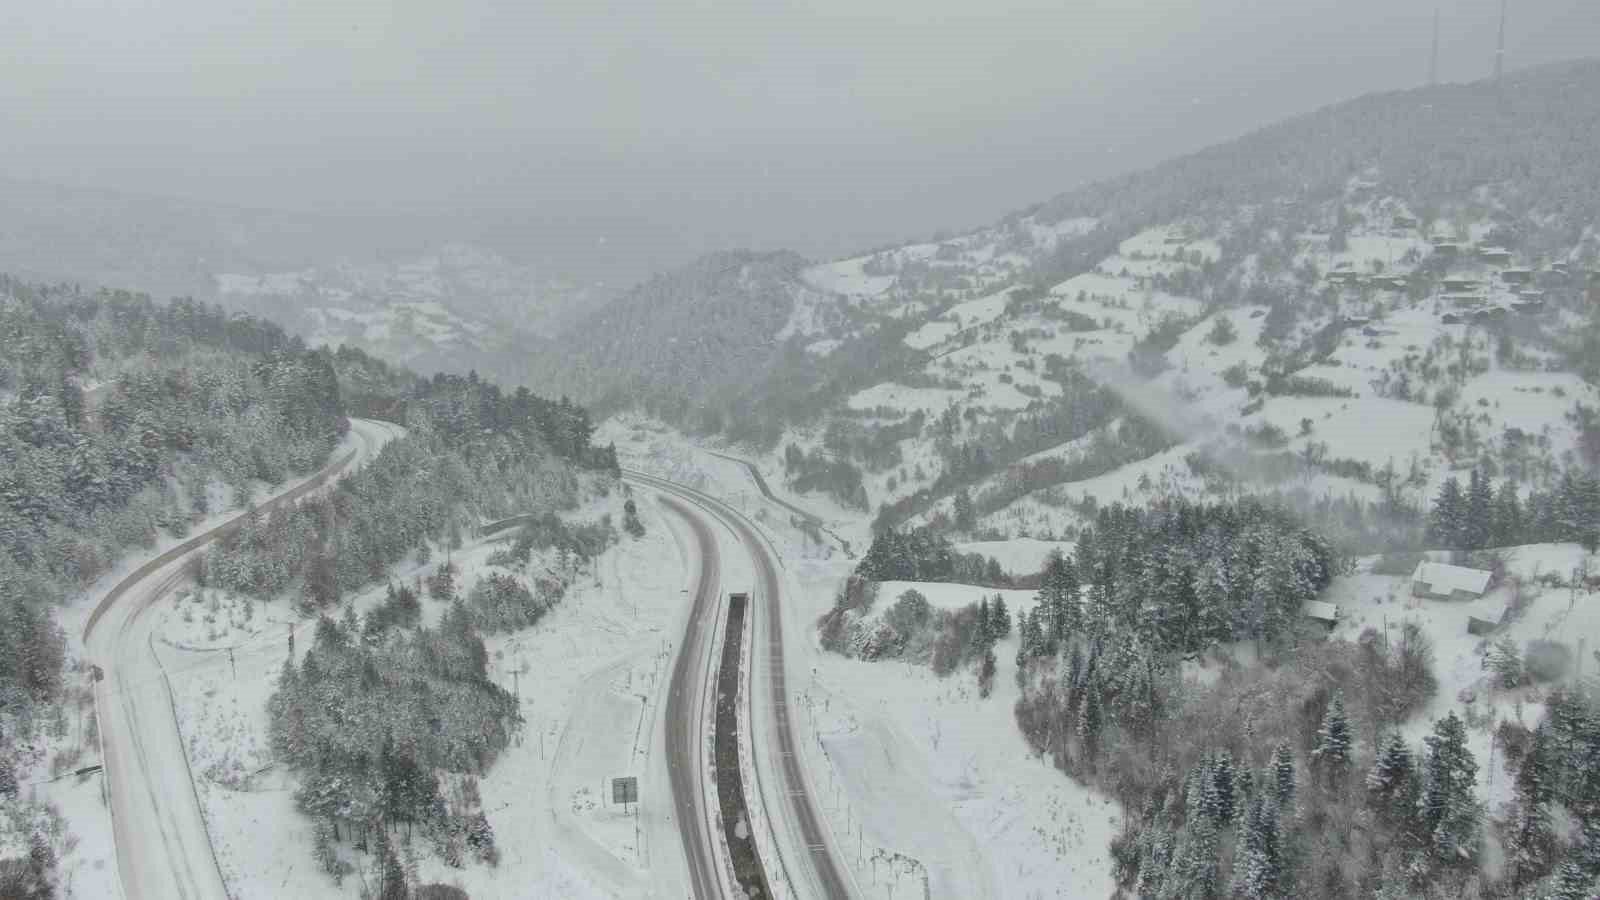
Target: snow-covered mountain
{"points": [[1346, 305]]}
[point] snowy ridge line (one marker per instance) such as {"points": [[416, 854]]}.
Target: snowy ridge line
{"points": [[815, 831]]}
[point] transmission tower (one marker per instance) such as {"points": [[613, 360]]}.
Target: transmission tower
{"points": [[1500, 45]]}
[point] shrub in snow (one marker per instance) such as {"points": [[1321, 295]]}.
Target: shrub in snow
{"points": [[1547, 660]]}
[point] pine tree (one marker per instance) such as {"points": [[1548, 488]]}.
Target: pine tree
{"points": [[966, 516], [1059, 599], [1477, 521], [1334, 742], [1194, 867], [1509, 528], [986, 670], [1000, 618], [1573, 883], [983, 632], [391, 877], [1507, 663], [1090, 721], [8, 779], [1222, 773], [1024, 645], [1390, 770], [324, 853], [1445, 520], [480, 838], [1536, 776], [1449, 810], [1533, 839], [1258, 867], [1283, 781]]}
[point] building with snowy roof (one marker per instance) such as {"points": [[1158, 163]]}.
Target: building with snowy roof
{"points": [[1438, 581]]}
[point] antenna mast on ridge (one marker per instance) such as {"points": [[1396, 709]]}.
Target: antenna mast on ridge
{"points": [[1500, 46]]}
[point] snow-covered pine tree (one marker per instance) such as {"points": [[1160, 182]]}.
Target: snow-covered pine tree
{"points": [[323, 852], [1506, 661], [1024, 645], [391, 877], [1445, 519], [986, 670], [1090, 720], [1000, 618], [1390, 769], [1477, 520], [1194, 865], [1509, 527], [1573, 883], [1258, 866], [1222, 773], [1334, 742], [1058, 597], [1283, 780], [1586, 852], [1532, 838], [1449, 809]]}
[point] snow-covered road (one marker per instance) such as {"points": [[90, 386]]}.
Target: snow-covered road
{"points": [[688, 767], [806, 848], [163, 849]]}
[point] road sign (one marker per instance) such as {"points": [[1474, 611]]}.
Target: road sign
{"points": [[625, 790]]}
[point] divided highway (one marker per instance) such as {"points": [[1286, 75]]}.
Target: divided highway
{"points": [[687, 764], [163, 848], [819, 874]]}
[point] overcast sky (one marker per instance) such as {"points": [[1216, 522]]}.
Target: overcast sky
{"points": [[823, 126]]}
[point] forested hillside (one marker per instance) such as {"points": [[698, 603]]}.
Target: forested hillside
{"points": [[123, 420], [1434, 151]]}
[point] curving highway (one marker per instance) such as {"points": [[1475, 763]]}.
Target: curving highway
{"points": [[687, 763], [163, 849], [817, 868]]}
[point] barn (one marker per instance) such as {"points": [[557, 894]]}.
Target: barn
{"points": [[1438, 581]]}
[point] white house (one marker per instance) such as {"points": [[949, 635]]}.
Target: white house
{"points": [[1438, 581]]}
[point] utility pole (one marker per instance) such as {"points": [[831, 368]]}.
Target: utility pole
{"points": [[1500, 45]]}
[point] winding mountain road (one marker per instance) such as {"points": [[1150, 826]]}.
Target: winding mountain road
{"points": [[163, 849]]}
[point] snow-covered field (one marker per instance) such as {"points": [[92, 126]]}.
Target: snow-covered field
{"points": [[1466, 684], [588, 678]]}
